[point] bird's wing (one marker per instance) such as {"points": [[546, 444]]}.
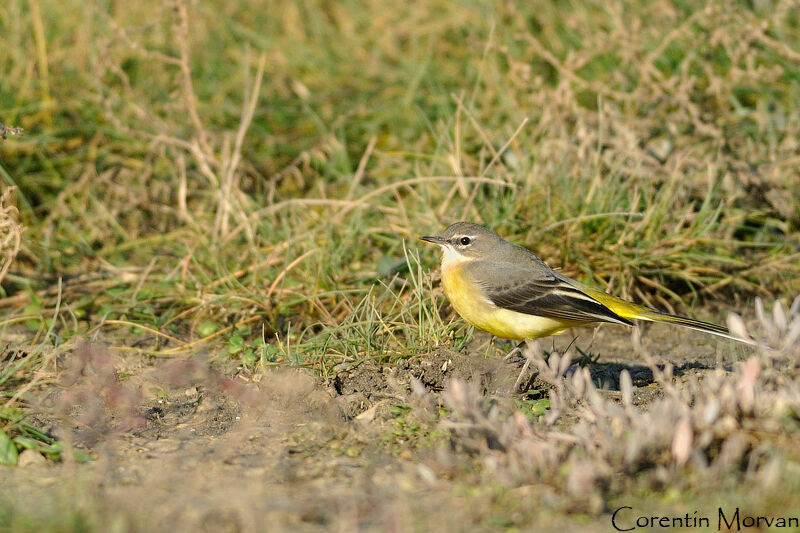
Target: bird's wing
{"points": [[544, 293]]}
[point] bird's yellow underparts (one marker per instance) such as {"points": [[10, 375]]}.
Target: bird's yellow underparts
{"points": [[505, 289]]}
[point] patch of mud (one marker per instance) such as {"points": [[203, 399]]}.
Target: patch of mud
{"points": [[194, 410], [361, 386]]}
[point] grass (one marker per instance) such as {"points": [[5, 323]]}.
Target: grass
{"points": [[283, 194], [249, 182]]}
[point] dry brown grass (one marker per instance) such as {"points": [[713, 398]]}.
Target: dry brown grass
{"points": [[10, 230]]}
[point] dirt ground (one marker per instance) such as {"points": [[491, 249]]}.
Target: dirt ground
{"points": [[186, 446]]}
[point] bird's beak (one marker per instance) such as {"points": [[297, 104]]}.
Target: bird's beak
{"points": [[434, 240]]}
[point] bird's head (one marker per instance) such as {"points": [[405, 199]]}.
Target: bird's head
{"points": [[465, 241]]}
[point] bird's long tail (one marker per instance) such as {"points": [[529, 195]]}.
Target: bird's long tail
{"points": [[634, 311], [707, 327]]}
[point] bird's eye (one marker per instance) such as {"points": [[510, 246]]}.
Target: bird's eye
{"points": [[465, 241]]}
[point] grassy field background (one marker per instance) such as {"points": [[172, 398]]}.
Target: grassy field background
{"points": [[246, 181]]}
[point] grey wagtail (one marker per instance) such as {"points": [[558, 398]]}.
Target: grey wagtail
{"points": [[504, 289]]}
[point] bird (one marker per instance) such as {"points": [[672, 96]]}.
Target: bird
{"points": [[505, 289]]}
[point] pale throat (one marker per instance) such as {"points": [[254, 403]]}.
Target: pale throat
{"points": [[451, 258]]}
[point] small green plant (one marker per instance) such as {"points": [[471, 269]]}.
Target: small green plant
{"points": [[533, 408], [27, 437]]}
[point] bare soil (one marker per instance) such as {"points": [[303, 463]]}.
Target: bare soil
{"points": [[187, 446]]}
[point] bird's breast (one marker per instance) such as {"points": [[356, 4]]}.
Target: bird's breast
{"points": [[468, 300], [464, 294]]}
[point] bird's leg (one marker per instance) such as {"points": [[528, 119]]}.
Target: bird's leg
{"points": [[529, 357], [522, 372]]}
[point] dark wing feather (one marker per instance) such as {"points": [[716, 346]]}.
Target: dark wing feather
{"points": [[548, 296]]}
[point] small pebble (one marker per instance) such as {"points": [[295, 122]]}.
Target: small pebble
{"points": [[31, 458]]}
